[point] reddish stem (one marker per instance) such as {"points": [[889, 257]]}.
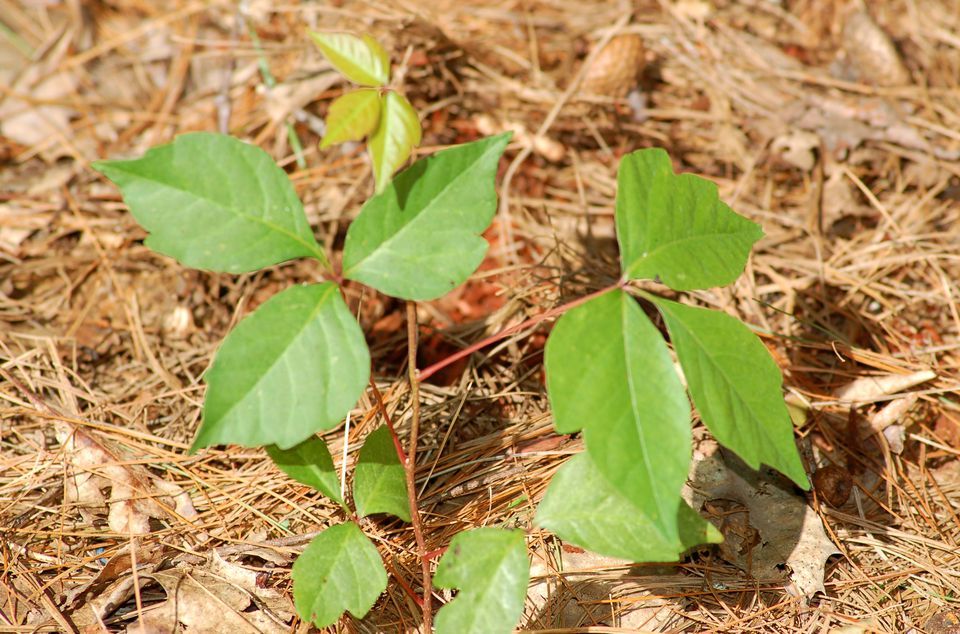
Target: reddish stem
{"points": [[503, 334], [410, 466]]}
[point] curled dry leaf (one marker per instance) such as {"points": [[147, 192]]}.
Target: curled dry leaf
{"points": [[873, 388], [615, 70], [135, 495], [790, 539]]}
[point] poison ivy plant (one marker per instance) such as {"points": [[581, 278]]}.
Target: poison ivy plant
{"points": [[583, 507], [420, 238], [491, 568], [378, 481], [294, 367], [382, 114], [339, 571], [214, 202], [309, 463], [609, 373], [299, 363]]}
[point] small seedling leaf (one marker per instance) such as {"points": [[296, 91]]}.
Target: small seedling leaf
{"points": [[293, 367], [582, 507], [674, 228], [736, 386], [340, 570], [213, 202], [379, 485], [360, 59], [351, 117], [394, 138], [309, 463], [420, 237], [491, 568], [609, 372]]}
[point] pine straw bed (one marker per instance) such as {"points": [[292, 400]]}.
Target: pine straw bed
{"points": [[103, 343]]}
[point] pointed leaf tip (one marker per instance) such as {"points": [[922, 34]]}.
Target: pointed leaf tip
{"points": [[582, 507]]}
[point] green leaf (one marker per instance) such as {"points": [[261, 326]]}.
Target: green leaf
{"points": [[420, 237], [379, 485], [339, 570], [582, 507], [735, 385], [360, 59], [491, 568], [213, 202], [351, 117], [609, 372], [675, 228], [293, 367], [309, 463], [397, 133]]}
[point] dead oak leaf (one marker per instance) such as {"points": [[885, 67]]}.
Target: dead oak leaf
{"points": [[790, 543]]}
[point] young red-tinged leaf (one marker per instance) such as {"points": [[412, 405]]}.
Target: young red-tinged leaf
{"points": [[309, 463], [421, 236], [294, 367], [340, 570], [609, 372], [582, 507], [379, 485], [351, 117], [735, 385], [397, 133], [213, 202], [674, 228], [491, 569], [360, 59]]}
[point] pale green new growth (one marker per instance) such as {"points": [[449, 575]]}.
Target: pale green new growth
{"points": [[360, 59], [351, 117], [491, 569], [340, 570], [394, 138], [378, 479]]}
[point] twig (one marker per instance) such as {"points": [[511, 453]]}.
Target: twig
{"points": [[410, 464], [506, 332]]}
